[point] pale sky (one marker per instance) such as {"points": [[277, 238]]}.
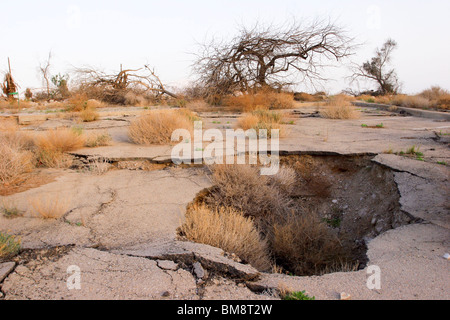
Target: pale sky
{"points": [[163, 34]]}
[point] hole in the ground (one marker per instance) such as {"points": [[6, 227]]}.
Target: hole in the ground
{"points": [[314, 217]]}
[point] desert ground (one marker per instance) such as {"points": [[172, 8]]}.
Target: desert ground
{"points": [[124, 204]]}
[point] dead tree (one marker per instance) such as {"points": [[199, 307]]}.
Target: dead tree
{"points": [[375, 70], [271, 56], [45, 72], [144, 79], [9, 86]]}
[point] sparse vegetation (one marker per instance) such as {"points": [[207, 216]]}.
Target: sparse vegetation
{"points": [[339, 107], [10, 211], [297, 295], [97, 139], [228, 229], [297, 239], [49, 206], [89, 114], [263, 99], [52, 145], [15, 156], [304, 245], [157, 126], [262, 119], [9, 245]]}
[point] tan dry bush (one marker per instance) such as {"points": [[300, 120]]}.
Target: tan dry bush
{"points": [[263, 119], [305, 245], [89, 114], [444, 102], [434, 93], [49, 206], [157, 126], [97, 139], [198, 105], [94, 104], [339, 107], [241, 187], [285, 179], [416, 102], [14, 160], [229, 230], [306, 97], [134, 99], [78, 102], [52, 145], [262, 100]]}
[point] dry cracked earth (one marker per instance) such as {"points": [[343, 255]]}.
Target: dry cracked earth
{"points": [[120, 230]]}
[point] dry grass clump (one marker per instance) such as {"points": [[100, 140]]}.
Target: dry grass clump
{"points": [[49, 206], [15, 155], [52, 145], [306, 97], [157, 126], [229, 230], [296, 239], [261, 100], [415, 102], [263, 119], [78, 102], [97, 139], [241, 187], [198, 105], [303, 244], [89, 114], [134, 99], [340, 107]]}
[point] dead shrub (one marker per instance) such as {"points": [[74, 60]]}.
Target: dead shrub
{"points": [[15, 160], [261, 100], [228, 229], [89, 114], [285, 180], [433, 93], [261, 119], [157, 126], [78, 102], [241, 187], [198, 105], [444, 102], [49, 206], [303, 244], [306, 97], [135, 99], [416, 102], [339, 107], [297, 239], [310, 181], [97, 139], [52, 145]]}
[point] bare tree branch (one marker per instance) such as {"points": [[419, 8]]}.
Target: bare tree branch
{"points": [[269, 56]]}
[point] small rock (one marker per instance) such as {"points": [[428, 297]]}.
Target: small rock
{"points": [[5, 269], [334, 201], [446, 256], [165, 294], [199, 271], [167, 265], [345, 296], [374, 221]]}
